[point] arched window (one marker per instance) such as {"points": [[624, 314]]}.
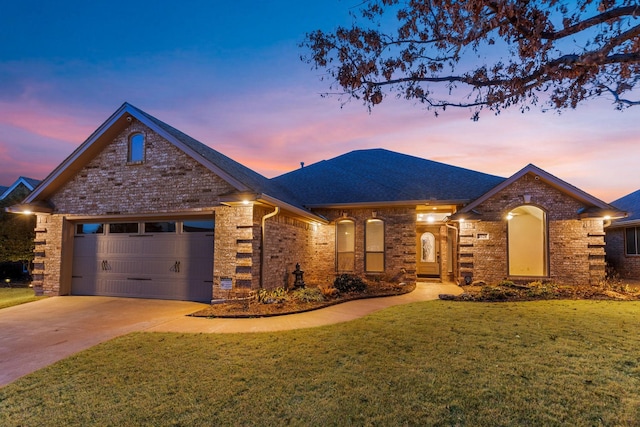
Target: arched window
{"points": [[374, 246], [345, 245], [136, 148], [527, 234]]}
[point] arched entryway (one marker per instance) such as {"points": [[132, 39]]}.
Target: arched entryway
{"points": [[528, 242]]}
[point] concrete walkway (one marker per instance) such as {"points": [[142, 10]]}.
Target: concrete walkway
{"points": [[324, 316], [40, 333]]}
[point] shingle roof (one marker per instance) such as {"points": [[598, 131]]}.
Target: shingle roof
{"points": [[631, 204], [378, 175]]}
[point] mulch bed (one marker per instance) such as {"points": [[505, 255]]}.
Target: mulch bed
{"points": [[610, 290], [250, 307]]}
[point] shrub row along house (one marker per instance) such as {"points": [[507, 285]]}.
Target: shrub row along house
{"points": [[140, 209]]}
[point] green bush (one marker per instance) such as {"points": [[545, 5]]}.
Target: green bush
{"points": [[347, 283], [270, 296], [308, 295]]}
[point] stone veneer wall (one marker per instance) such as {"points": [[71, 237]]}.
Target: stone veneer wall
{"points": [[400, 240], [576, 247], [47, 260], [626, 266]]}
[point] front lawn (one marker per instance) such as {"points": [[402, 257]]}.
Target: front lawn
{"points": [[551, 363], [15, 296]]}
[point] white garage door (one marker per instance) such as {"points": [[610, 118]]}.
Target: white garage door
{"points": [[162, 259]]}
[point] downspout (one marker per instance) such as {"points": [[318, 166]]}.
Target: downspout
{"points": [[262, 240]]}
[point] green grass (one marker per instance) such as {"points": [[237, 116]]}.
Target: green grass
{"points": [[546, 363], [15, 296]]}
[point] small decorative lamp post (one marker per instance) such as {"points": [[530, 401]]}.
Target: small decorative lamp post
{"points": [[299, 280], [8, 282]]}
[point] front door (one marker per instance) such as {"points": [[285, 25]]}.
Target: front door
{"points": [[428, 251]]}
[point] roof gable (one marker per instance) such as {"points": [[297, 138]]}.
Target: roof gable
{"points": [[238, 176], [591, 203], [29, 183], [383, 176]]}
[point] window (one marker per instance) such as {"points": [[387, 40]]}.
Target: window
{"points": [[89, 228], [527, 237], [160, 227], [632, 239], [374, 246], [136, 148], [198, 226], [345, 245], [123, 227]]}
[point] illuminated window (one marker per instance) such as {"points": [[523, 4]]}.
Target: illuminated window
{"points": [[632, 240], [374, 246], [527, 231], [136, 148], [345, 245]]}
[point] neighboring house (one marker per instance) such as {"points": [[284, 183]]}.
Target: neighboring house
{"points": [[141, 209], [16, 234], [19, 189], [623, 238]]}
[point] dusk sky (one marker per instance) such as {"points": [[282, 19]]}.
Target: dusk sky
{"points": [[229, 74]]}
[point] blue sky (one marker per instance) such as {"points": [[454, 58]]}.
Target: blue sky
{"points": [[229, 74]]}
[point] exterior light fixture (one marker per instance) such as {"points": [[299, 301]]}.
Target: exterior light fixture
{"points": [[607, 217], [245, 202], [509, 216]]}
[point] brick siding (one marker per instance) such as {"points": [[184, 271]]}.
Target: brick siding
{"points": [[625, 266], [576, 247]]}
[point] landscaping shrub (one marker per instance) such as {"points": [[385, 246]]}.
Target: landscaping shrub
{"points": [[308, 295], [347, 283], [328, 291], [271, 296]]}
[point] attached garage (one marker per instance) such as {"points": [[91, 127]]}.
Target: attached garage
{"points": [[168, 259]]}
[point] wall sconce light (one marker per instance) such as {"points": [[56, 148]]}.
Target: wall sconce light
{"points": [[509, 216]]}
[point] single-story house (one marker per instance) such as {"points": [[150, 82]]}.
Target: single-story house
{"points": [[141, 209], [623, 238]]}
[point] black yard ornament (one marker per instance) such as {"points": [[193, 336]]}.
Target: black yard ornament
{"points": [[299, 280]]}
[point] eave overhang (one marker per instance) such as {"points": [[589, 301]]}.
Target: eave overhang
{"points": [[39, 206], [240, 199]]}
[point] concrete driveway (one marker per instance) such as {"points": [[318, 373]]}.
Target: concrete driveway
{"points": [[39, 333]]}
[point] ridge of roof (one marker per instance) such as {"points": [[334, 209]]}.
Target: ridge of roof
{"points": [[381, 175]]}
